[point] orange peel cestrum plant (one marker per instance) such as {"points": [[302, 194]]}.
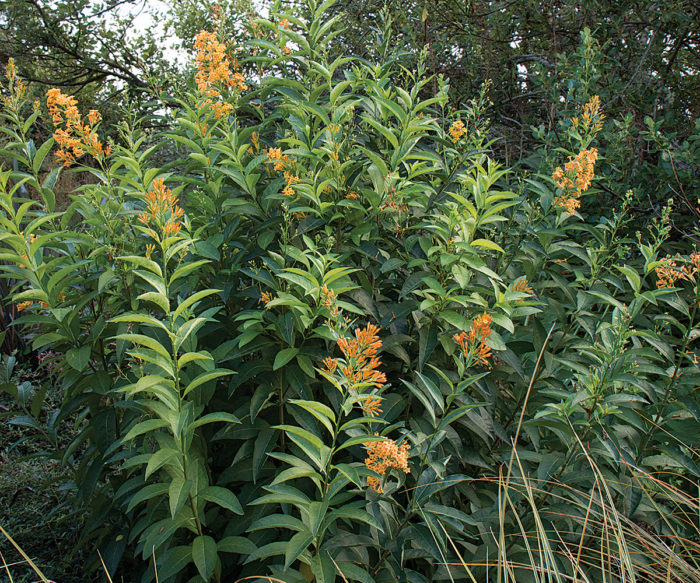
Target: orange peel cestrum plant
{"points": [[575, 178], [215, 71], [358, 369], [74, 136], [382, 455], [17, 88], [473, 343], [162, 209], [361, 364]]}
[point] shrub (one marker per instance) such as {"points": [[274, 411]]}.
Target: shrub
{"points": [[334, 339]]}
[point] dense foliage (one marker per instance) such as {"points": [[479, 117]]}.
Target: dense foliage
{"points": [[334, 339]]}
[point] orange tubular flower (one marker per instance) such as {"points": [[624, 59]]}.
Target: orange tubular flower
{"points": [[161, 207], [457, 130], [266, 298], [473, 343], [361, 354], [523, 286], [214, 70], [575, 178], [372, 406], [668, 273], [75, 138], [382, 455], [23, 305]]}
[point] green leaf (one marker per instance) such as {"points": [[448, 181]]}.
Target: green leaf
{"points": [[223, 497], [204, 555], [322, 412], [159, 459], [193, 299], [296, 546], [236, 544], [206, 377], [178, 492], [146, 493], [174, 561], [283, 357], [78, 358], [144, 427], [41, 153], [143, 262], [220, 417]]}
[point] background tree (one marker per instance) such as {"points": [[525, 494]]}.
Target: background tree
{"points": [[545, 59]]}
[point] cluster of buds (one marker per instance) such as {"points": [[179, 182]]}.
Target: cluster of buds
{"points": [[382, 455], [393, 201], [74, 138], [162, 209], [17, 87], [591, 120], [214, 70], [522, 285], [473, 343], [575, 178], [668, 273], [328, 300]]}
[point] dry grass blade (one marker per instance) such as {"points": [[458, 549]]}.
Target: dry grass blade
{"points": [[25, 556]]}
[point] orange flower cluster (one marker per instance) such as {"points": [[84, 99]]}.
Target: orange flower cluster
{"points": [[457, 130], [382, 455], [575, 178], [473, 343], [372, 406], [361, 354], [161, 207], [75, 138], [330, 365], [282, 163], [23, 305], [214, 69], [277, 159], [266, 297], [668, 273]]}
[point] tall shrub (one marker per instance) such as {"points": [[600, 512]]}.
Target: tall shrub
{"points": [[334, 339]]}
